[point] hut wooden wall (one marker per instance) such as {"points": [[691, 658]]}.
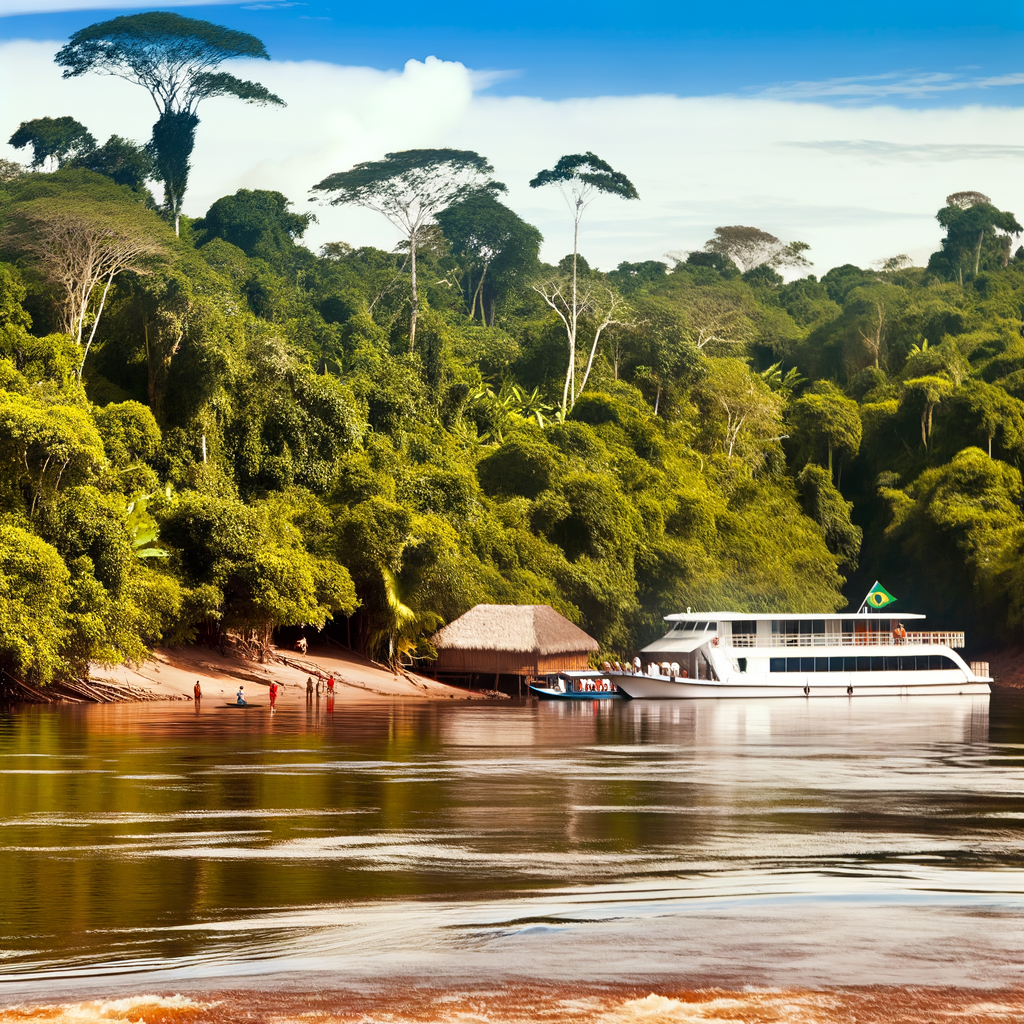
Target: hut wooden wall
{"points": [[511, 663], [573, 662]]}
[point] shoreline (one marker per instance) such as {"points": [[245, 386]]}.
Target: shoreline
{"points": [[171, 672]]}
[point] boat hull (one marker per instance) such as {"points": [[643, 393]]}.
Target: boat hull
{"points": [[662, 688], [546, 693]]}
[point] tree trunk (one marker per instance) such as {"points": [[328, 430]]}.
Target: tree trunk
{"points": [[415, 294], [570, 371], [479, 292], [95, 324], [977, 253]]}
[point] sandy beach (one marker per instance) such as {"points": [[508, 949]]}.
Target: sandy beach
{"points": [[172, 672]]}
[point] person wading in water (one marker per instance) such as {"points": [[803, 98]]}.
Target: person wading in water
{"points": [[197, 692], [273, 695]]}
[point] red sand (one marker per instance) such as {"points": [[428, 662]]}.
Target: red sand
{"points": [[531, 1005], [173, 671]]}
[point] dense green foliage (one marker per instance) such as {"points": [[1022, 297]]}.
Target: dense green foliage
{"points": [[252, 445], [175, 59]]}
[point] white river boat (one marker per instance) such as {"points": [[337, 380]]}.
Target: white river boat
{"points": [[863, 654]]}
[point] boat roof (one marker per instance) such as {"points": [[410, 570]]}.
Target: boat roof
{"points": [[675, 645], [786, 616]]}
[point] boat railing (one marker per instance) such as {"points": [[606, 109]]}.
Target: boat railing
{"points": [[941, 638]]}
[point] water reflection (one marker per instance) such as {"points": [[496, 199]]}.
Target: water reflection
{"points": [[203, 841]]}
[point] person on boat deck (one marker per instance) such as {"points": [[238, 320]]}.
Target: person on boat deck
{"points": [[240, 697], [636, 665]]}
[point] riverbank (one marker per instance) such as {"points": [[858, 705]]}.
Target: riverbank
{"points": [[171, 673], [1006, 666]]}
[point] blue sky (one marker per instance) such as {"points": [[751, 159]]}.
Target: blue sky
{"points": [[841, 125], [909, 54]]}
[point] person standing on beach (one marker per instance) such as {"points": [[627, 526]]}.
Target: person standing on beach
{"points": [[330, 686], [197, 692], [273, 695], [309, 687]]}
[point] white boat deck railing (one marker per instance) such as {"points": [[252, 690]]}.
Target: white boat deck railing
{"points": [[940, 638]]}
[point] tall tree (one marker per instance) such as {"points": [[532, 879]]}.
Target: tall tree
{"points": [[496, 247], [978, 236], [581, 178], [751, 247], [410, 188], [80, 247], [257, 221], [824, 420], [54, 140], [174, 60], [582, 303]]}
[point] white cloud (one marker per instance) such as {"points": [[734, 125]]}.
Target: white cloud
{"points": [[903, 84], [858, 184]]}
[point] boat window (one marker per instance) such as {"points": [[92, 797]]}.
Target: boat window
{"points": [[903, 663], [742, 663], [744, 627], [710, 625], [798, 627]]}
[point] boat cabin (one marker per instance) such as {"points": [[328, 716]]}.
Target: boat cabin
{"points": [[699, 642]]}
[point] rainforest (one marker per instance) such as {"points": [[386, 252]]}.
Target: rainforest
{"points": [[208, 430]]}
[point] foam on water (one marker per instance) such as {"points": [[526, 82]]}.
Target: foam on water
{"points": [[526, 1005]]}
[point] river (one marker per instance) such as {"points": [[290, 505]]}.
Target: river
{"points": [[428, 854]]}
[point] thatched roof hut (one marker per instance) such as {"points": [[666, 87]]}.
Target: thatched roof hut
{"points": [[512, 639]]}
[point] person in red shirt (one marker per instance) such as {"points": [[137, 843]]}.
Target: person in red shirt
{"points": [[197, 691], [330, 686], [273, 694]]}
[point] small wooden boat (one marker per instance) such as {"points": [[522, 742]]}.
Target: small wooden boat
{"points": [[575, 686], [233, 705]]}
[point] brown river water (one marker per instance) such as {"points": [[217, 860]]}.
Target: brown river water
{"points": [[801, 861]]}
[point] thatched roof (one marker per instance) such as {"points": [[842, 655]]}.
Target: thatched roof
{"points": [[524, 628]]}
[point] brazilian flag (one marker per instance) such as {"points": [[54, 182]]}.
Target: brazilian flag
{"points": [[878, 597]]}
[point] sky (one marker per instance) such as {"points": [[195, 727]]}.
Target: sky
{"points": [[839, 125]]}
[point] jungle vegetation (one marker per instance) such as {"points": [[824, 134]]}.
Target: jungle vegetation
{"points": [[207, 429]]}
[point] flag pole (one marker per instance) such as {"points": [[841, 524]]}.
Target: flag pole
{"points": [[864, 603]]}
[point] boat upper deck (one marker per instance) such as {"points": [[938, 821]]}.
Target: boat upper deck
{"points": [[774, 630]]}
